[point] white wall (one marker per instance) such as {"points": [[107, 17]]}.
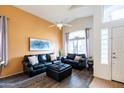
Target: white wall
{"points": [[80, 24], [102, 70]]}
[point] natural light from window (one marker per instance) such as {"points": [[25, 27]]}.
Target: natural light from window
{"points": [[77, 42], [104, 46], [113, 12]]}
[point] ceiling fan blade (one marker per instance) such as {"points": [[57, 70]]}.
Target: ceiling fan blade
{"points": [[67, 25], [52, 26]]}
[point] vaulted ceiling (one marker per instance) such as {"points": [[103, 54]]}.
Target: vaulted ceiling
{"points": [[58, 13]]}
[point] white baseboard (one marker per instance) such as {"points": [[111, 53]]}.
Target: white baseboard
{"points": [[102, 77]]}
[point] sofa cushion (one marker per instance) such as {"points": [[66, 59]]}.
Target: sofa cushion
{"points": [[48, 63], [26, 57], [48, 56], [42, 58], [53, 57], [38, 66], [83, 55], [71, 56], [33, 60], [69, 61], [77, 58]]}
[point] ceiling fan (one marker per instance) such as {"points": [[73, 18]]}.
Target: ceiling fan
{"points": [[60, 25]]}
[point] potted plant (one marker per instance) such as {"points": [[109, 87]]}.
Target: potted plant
{"points": [[90, 63], [60, 53], [90, 60]]}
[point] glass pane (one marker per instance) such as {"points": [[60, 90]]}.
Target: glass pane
{"points": [[70, 47], [77, 34], [104, 36], [75, 48], [104, 46], [77, 42], [113, 12], [82, 46]]}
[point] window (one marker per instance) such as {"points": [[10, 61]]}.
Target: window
{"points": [[104, 46], [77, 42], [113, 12]]}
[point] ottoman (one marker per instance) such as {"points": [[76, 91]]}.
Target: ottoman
{"points": [[59, 71]]}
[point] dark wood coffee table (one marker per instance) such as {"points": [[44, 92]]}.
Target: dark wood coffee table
{"points": [[59, 71]]}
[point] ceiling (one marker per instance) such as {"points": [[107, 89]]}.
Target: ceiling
{"points": [[58, 13]]}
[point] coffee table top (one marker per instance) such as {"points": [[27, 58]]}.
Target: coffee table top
{"points": [[57, 61], [59, 66]]}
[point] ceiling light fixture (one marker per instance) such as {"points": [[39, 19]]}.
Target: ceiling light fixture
{"points": [[60, 26]]}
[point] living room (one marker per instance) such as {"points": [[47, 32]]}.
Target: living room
{"points": [[53, 48]]}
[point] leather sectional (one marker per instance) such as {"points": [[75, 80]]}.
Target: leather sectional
{"points": [[31, 70], [69, 59], [45, 61]]}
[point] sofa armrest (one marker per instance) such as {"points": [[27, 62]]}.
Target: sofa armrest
{"points": [[62, 59], [30, 69], [27, 64], [27, 67], [83, 60]]}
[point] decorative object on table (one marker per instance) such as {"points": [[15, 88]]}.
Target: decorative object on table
{"points": [[90, 63], [39, 44]]}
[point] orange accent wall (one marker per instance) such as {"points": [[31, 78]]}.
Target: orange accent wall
{"points": [[21, 26]]}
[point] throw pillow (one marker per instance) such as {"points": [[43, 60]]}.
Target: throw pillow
{"points": [[44, 58], [77, 58], [33, 60], [53, 57]]}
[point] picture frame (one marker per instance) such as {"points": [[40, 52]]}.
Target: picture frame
{"points": [[39, 44]]}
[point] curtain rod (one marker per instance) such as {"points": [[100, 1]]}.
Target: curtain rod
{"points": [[5, 16]]}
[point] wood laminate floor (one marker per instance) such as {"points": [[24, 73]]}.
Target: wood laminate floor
{"points": [[101, 83], [78, 79]]}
